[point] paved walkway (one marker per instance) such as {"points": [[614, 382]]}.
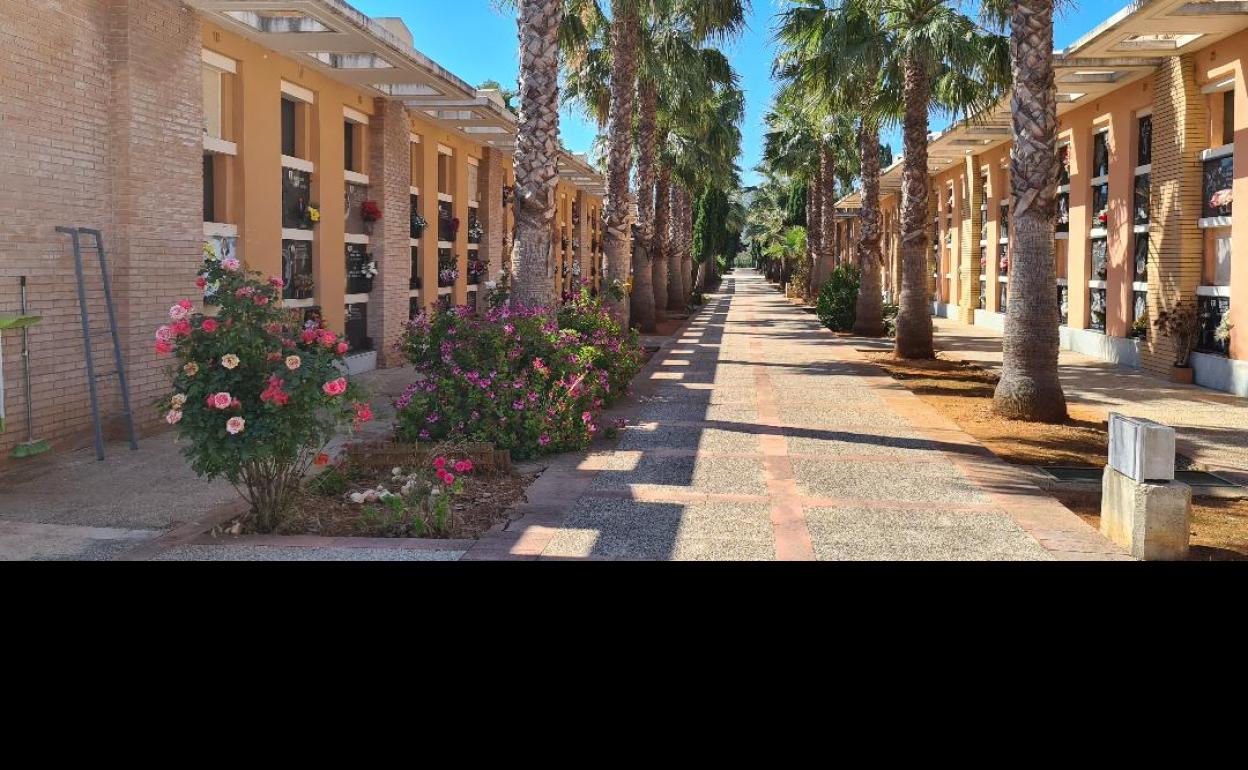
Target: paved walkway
{"points": [[1212, 427], [758, 435]]}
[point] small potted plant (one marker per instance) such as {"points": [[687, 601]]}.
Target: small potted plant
{"points": [[418, 225], [1179, 325]]}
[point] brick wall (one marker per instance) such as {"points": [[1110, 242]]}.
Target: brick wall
{"points": [[100, 114], [968, 267], [1176, 243], [493, 218], [390, 181]]}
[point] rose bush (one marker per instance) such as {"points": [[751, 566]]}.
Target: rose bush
{"points": [[525, 379], [257, 393]]}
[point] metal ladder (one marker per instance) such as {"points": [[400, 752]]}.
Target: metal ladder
{"points": [[75, 234]]}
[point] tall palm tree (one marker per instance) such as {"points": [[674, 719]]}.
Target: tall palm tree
{"points": [[1029, 388], [617, 236], [671, 69], [536, 155], [934, 49], [832, 52]]}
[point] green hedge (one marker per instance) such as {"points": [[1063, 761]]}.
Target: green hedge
{"points": [[838, 299]]}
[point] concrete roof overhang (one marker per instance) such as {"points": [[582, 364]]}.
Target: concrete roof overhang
{"points": [[377, 57], [1123, 49]]}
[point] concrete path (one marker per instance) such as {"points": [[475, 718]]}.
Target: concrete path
{"points": [[1212, 427], [759, 435]]}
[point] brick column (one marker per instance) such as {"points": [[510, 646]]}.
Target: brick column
{"points": [[491, 213], [581, 236], [1176, 244], [155, 115], [968, 268], [390, 182], [933, 254]]}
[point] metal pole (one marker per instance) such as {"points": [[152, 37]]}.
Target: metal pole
{"points": [[86, 340], [112, 325]]}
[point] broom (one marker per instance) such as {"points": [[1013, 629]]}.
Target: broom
{"points": [[30, 447]]}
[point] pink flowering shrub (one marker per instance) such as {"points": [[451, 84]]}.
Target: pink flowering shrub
{"points": [[521, 378], [256, 392]]}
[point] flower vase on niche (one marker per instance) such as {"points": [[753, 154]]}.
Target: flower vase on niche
{"points": [[370, 212]]}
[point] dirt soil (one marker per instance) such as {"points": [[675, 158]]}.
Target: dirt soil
{"points": [[1219, 526], [482, 504], [963, 393]]}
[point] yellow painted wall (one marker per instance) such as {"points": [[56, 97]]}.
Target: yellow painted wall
{"points": [[256, 178]]}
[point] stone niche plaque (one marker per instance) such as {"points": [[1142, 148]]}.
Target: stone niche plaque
{"points": [[1140, 449], [357, 261], [297, 269], [296, 187]]}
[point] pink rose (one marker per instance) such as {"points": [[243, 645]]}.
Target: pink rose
{"points": [[235, 425], [327, 338], [221, 400], [448, 479], [230, 264], [335, 387], [177, 313], [342, 348], [163, 346], [309, 335], [439, 463], [173, 417], [201, 282], [182, 328], [209, 325], [278, 282], [164, 333], [185, 304], [463, 466]]}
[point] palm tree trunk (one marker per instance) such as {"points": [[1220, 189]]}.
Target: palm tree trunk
{"points": [[814, 210], [869, 318], [536, 159], [624, 32], [643, 307], [827, 216], [686, 242], [914, 317], [1029, 388], [671, 247], [659, 241]]}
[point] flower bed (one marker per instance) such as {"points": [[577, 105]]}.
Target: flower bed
{"points": [[443, 494], [525, 379]]}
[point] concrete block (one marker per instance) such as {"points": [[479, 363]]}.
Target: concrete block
{"points": [[1141, 449], [1151, 521]]}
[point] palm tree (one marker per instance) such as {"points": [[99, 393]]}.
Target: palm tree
{"points": [[536, 155], [617, 237], [1029, 388], [833, 54], [933, 48]]}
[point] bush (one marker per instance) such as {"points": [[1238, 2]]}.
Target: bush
{"points": [[838, 299], [256, 392], [890, 320], [520, 378]]}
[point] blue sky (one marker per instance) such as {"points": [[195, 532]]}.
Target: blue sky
{"points": [[478, 42]]}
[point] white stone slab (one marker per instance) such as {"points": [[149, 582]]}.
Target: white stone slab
{"points": [[1141, 449]]}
